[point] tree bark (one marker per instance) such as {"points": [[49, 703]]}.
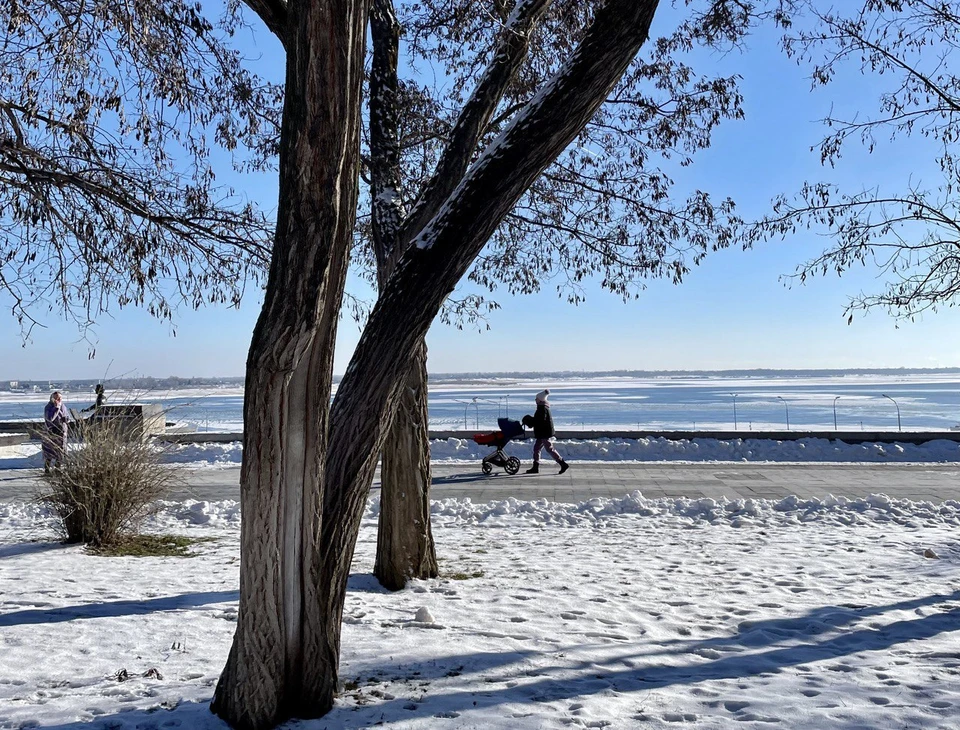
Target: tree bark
{"points": [[430, 268], [284, 658], [409, 552], [405, 546], [297, 540]]}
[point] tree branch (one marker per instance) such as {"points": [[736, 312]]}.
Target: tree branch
{"points": [[476, 114], [385, 207], [430, 269], [274, 14]]}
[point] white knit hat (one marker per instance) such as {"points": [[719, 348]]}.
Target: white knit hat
{"points": [[542, 395]]}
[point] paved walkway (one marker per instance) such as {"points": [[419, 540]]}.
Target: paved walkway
{"points": [[934, 482]]}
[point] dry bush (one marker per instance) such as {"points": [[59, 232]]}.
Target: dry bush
{"points": [[106, 484]]}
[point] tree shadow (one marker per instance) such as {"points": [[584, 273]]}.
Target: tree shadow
{"points": [[590, 678], [464, 478], [26, 548], [193, 715], [113, 609], [818, 621], [364, 583], [451, 665]]}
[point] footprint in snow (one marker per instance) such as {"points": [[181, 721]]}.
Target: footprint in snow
{"points": [[879, 700], [751, 717], [735, 706], [679, 717], [841, 668], [707, 653]]}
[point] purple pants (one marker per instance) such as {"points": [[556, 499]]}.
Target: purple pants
{"points": [[545, 444]]}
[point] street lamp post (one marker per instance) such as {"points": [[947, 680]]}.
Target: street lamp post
{"points": [[786, 410], [898, 409], [835, 412], [466, 405], [735, 410]]}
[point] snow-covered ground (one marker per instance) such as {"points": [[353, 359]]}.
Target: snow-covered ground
{"points": [[653, 449], [611, 613]]}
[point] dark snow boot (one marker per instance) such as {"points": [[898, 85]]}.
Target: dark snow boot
{"points": [[564, 466], [535, 469]]}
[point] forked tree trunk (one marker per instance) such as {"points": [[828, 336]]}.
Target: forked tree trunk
{"points": [[405, 547], [284, 658], [441, 255], [298, 539]]}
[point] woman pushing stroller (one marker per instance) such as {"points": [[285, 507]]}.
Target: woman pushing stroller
{"points": [[542, 424]]}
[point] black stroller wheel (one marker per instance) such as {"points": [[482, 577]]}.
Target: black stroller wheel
{"points": [[512, 466], [487, 467]]}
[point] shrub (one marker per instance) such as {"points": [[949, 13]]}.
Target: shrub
{"points": [[106, 484]]}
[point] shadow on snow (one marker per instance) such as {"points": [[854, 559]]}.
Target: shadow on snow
{"points": [[111, 609], [585, 678]]}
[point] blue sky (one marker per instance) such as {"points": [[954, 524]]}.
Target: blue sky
{"points": [[731, 312]]}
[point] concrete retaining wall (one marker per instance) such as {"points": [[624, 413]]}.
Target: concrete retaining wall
{"points": [[850, 437], [13, 439]]}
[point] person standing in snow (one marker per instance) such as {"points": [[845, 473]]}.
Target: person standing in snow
{"points": [[55, 418], [543, 430]]}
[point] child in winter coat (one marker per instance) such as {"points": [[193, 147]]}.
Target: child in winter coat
{"points": [[543, 430]]}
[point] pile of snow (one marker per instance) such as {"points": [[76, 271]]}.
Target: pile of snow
{"points": [[600, 511], [606, 614], [661, 449], [596, 512]]}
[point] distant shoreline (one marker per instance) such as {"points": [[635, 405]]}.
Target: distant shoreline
{"points": [[178, 382]]}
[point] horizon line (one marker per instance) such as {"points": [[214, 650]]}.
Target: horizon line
{"points": [[540, 373]]}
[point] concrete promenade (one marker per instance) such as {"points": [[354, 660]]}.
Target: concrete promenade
{"points": [[584, 480]]}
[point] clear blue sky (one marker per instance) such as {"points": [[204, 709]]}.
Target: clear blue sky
{"points": [[731, 312]]}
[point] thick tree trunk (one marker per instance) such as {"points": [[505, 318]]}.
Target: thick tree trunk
{"points": [[405, 547], [297, 541], [440, 256], [284, 658]]}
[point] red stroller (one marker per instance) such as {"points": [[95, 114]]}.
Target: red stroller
{"points": [[508, 430]]}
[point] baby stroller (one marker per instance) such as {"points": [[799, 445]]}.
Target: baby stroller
{"points": [[508, 430]]}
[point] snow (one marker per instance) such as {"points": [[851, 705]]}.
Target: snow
{"points": [[661, 449], [667, 613], [218, 455]]}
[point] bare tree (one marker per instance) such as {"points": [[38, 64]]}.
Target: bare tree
{"points": [[107, 195], [603, 211], [111, 195], [911, 232], [515, 162], [307, 470]]}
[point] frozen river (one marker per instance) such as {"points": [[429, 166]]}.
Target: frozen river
{"points": [[867, 401]]}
